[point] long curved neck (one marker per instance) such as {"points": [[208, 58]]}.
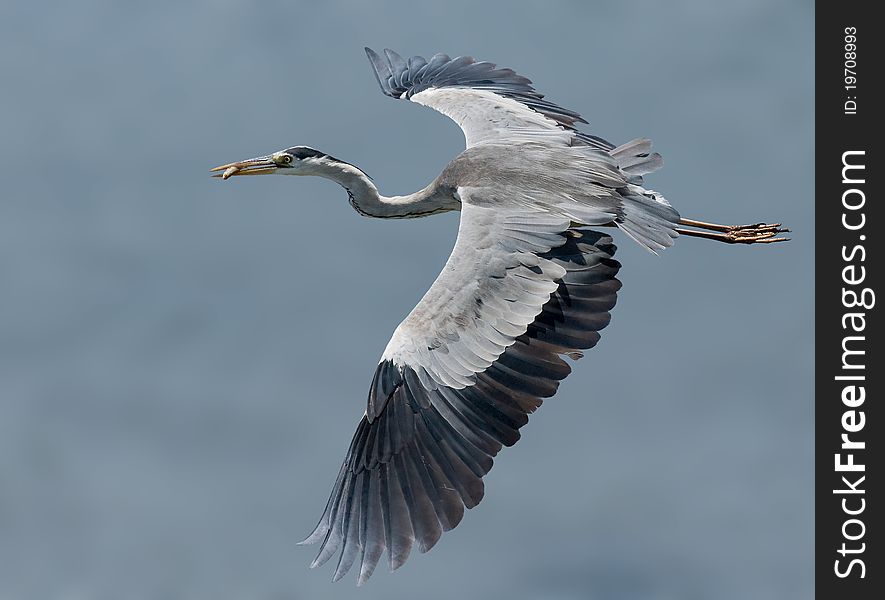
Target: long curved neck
{"points": [[366, 199]]}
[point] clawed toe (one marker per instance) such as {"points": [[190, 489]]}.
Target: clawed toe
{"points": [[761, 233], [756, 233]]}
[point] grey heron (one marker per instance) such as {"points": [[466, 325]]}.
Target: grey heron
{"points": [[528, 283]]}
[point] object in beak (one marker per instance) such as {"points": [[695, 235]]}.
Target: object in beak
{"points": [[254, 166]]}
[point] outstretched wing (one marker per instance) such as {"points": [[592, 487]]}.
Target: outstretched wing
{"points": [[493, 104], [477, 354], [496, 107]]}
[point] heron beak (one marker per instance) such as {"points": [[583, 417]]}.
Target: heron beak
{"points": [[254, 166]]}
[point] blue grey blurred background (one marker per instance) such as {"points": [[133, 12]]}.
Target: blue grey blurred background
{"points": [[183, 361]]}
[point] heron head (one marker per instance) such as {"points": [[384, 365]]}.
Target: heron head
{"points": [[297, 160]]}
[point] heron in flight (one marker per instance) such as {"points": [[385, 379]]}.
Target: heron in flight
{"points": [[528, 283]]}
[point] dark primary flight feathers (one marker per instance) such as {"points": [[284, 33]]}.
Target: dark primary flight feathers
{"points": [[421, 450]]}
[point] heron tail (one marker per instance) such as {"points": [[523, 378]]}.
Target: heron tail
{"points": [[648, 219]]}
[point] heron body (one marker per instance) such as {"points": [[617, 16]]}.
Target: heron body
{"points": [[528, 283]]}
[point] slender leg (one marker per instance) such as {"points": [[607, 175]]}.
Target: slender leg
{"points": [[757, 233]]}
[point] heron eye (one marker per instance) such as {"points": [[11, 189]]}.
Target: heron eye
{"points": [[286, 159]]}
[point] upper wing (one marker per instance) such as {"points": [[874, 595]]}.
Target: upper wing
{"points": [[477, 354], [487, 102]]}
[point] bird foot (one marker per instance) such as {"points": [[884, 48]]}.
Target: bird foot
{"points": [[757, 233]]}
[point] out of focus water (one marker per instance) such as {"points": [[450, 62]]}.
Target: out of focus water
{"points": [[183, 362]]}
